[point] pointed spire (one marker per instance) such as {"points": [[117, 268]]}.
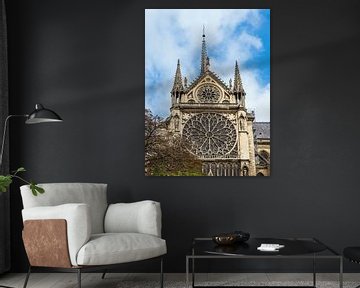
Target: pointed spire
{"points": [[204, 57], [238, 87], [178, 84]]}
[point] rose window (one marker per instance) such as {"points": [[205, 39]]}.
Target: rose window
{"points": [[209, 135], [208, 94]]}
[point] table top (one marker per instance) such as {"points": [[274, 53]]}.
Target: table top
{"points": [[292, 247]]}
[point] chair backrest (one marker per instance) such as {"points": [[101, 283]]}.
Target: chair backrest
{"points": [[55, 194]]}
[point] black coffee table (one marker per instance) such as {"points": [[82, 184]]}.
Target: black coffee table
{"points": [[294, 248]]}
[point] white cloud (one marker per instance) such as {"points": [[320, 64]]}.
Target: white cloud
{"points": [[176, 34], [257, 96]]}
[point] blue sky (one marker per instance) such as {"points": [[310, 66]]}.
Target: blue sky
{"points": [[231, 34]]}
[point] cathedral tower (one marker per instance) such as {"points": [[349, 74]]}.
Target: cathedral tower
{"points": [[212, 118]]}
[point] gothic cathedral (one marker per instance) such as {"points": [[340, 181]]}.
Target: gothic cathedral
{"points": [[212, 118]]}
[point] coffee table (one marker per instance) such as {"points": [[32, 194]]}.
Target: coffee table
{"points": [[294, 248]]}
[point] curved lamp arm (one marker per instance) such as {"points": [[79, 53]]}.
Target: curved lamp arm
{"points": [[4, 134], [39, 115]]}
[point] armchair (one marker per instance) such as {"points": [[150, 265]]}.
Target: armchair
{"points": [[71, 228]]}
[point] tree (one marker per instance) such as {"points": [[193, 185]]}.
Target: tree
{"points": [[166, 153]]}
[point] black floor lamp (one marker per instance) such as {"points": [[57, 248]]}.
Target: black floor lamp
{"points": [[39, 115]]}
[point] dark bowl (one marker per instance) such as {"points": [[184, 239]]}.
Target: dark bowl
{"points": [[225, 239]]}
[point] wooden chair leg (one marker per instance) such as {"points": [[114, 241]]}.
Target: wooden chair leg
{"points": [[27, 277]]}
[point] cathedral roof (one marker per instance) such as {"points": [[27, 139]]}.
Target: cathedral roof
{"points": [[204, 72], [261, 130], [208, 73]]}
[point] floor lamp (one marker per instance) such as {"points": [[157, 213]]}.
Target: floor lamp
{"points": [[39, 115]]}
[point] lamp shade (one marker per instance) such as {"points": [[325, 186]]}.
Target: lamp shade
{"points": [[42, 115]]}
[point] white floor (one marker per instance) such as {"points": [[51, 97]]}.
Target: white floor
{"points": [[115, 280]]}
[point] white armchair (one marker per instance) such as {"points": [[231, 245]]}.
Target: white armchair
{"points": [[72, 228]]}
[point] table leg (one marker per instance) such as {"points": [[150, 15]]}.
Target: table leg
{"points": [[341, 273], [187, 272], [193, 267], [314, 271], [193, 272]]}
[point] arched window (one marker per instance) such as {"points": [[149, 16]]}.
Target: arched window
{"points": [[260, 174], [221, 169], [212, 167], [205, 168]]}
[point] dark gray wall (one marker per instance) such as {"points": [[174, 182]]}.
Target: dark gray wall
{"points": [[85, 59]]}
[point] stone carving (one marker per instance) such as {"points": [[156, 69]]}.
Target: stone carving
{"points": [[210, 135], [242, 123], [208, 94], [245, 171], [176, 122]]}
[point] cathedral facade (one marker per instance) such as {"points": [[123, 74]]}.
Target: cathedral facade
{"points": [[213, 119]]}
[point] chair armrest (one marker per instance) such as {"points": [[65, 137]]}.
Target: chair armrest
{"points": [[138, 217], [77, 218], [53, 249]]}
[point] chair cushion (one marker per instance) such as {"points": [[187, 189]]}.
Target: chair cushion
{"points": [[55, 194], [113, 248], [352, 253], [137, 217]]}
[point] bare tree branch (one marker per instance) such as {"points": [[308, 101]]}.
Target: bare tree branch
{"points": [[166, 153]]}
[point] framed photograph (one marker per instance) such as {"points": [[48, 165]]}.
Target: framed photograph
{"points": [[207, 92]]}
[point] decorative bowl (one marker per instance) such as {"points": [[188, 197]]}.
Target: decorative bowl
{"points": [[225, 239], [231, 238]]}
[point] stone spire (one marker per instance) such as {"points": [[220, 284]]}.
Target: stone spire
{"points": [[205, 63], [238, 87], [178, 83]]}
